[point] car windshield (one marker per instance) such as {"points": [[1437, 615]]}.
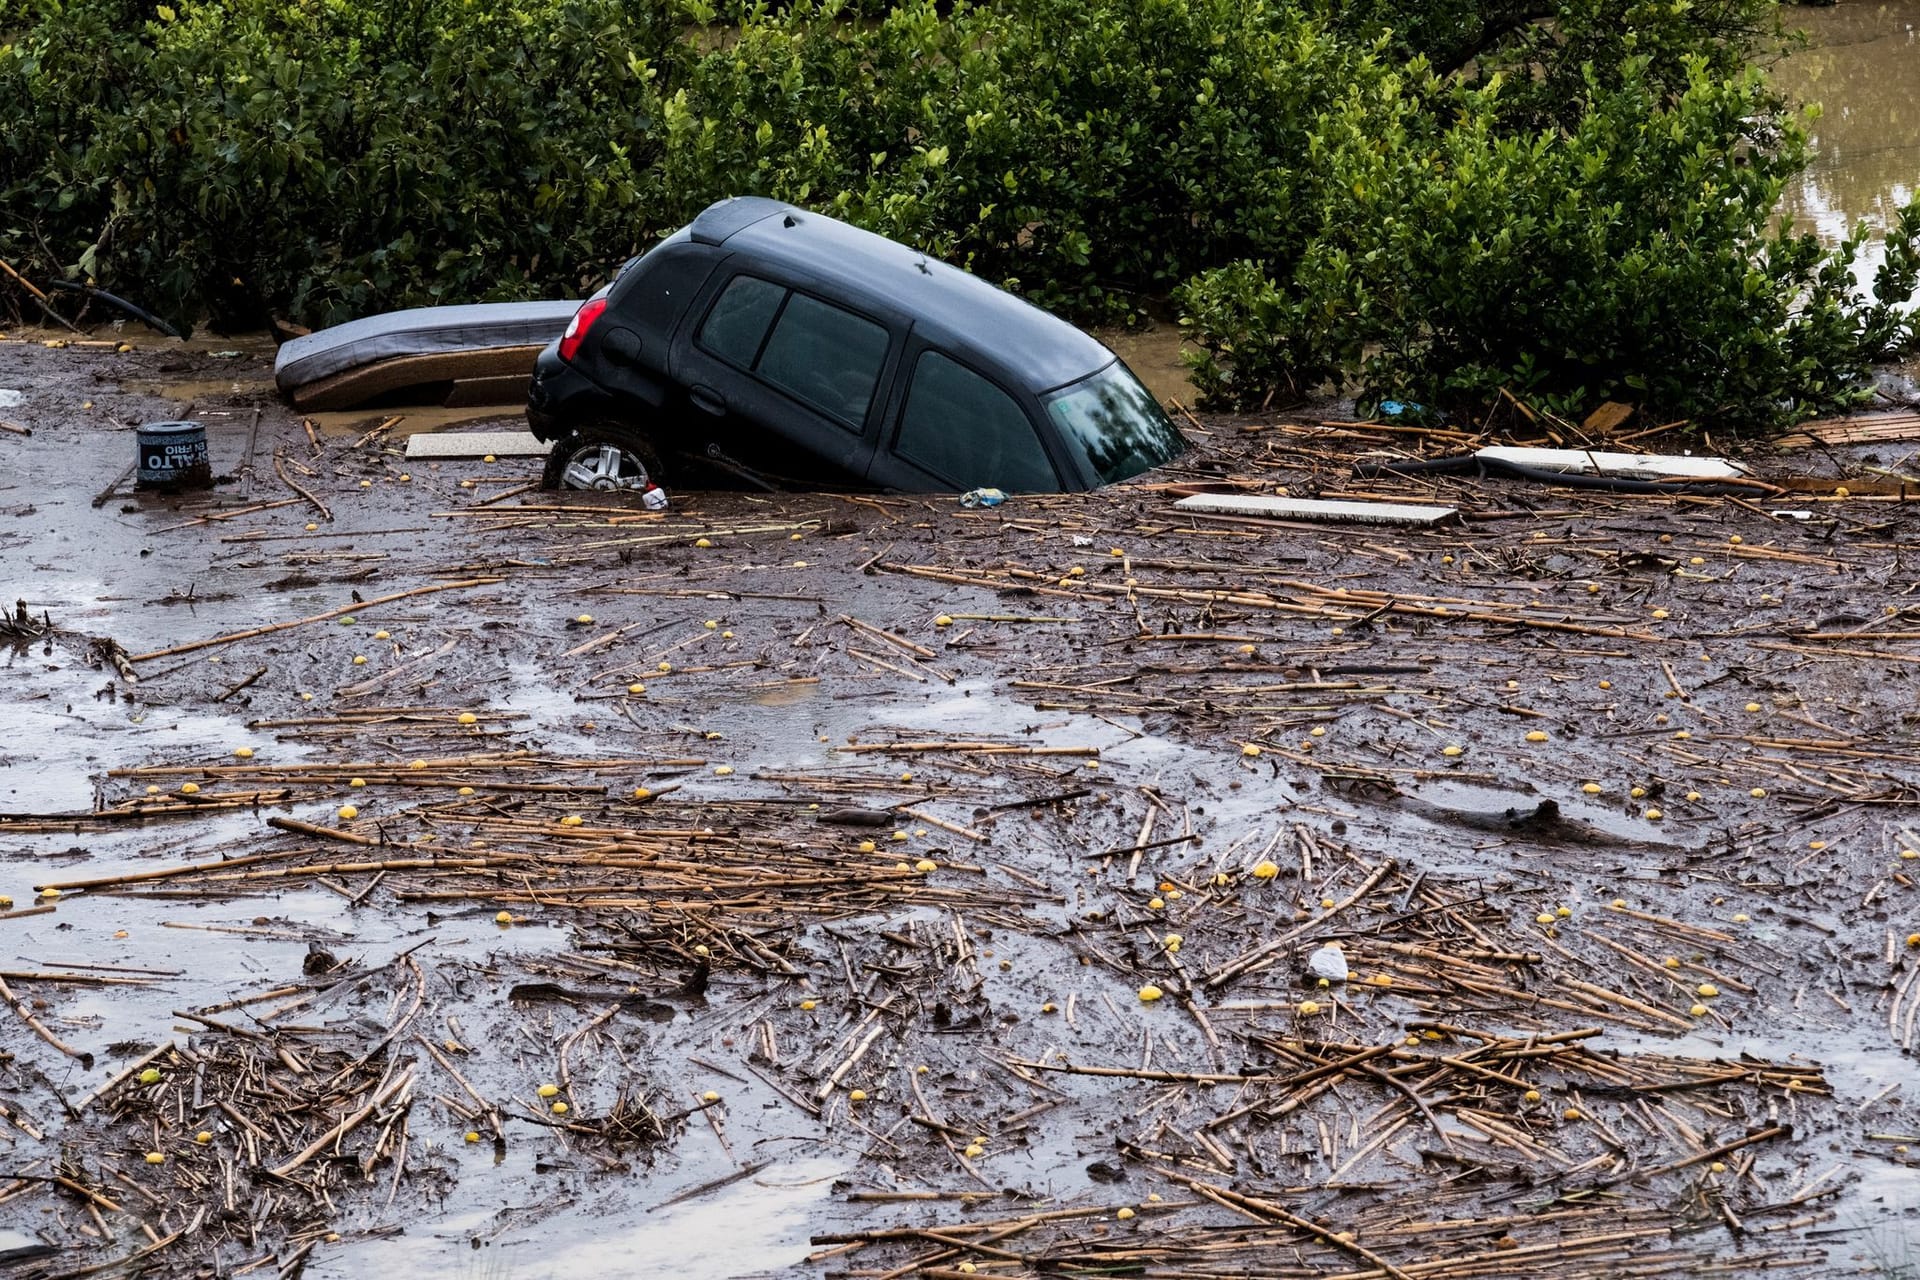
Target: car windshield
{"points": [[1115, 424]]}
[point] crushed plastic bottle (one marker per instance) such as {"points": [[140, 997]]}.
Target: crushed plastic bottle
{"points": [[653, 498], [982, 498], [1328, 962]]}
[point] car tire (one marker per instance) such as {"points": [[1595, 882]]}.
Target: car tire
{"points": [[603, 457]]}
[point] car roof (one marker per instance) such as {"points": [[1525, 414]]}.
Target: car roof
{"points": [[965, 314]]}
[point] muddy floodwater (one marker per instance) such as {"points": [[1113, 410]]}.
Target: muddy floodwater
{"points": [[1862, 65], [413, 872]]}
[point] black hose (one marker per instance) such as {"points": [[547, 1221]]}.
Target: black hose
{"points": [[139, 313], [1474, 464]]}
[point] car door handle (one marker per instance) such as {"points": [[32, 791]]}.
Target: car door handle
{"points": [[707, 400]]}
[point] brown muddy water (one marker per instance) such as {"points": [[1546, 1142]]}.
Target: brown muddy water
{"points": [[1264, 774], [1862, 65]]}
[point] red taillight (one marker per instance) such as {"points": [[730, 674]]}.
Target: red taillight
{"points": [[577, 327]]}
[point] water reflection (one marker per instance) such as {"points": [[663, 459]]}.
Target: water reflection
{"points": [[1863, 67]]}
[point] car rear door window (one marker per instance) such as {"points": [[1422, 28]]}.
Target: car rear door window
{"points": [[964, 429], [828, 357], [735, 327]]}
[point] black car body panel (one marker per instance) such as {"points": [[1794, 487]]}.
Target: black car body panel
{"points": [[811, 349]]}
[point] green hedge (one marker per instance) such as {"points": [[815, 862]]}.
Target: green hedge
{"points": [[1353, 193]]}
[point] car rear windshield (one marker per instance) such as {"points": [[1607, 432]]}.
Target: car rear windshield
{"points": [[1115, 424]]}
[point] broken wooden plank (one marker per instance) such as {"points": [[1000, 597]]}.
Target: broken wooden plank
{"points": [[1277, 508]]}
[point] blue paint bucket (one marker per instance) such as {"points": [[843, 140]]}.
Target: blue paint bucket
{"points": [[173, 455]]}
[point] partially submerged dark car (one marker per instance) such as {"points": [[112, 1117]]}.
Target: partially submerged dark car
{"points": [[779, 344]]}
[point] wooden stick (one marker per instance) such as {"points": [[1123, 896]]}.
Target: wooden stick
{"points": [[249, 634], [19, 1007], [402, 1081], [280, 469]]}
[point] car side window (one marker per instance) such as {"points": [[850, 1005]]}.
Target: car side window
{"points": [[964, 429], [737, 324], [828, 357]]}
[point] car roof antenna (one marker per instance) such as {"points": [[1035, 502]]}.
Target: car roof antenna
{"points": [[789, 221]]}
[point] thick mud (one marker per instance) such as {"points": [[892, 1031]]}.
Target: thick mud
{"points": [[897, 889]]}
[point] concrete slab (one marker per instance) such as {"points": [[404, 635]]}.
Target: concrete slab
{"points": [[1270, 507], [475, 444]]}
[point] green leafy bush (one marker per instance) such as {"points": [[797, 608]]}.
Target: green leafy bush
{"points": [[1631, 259], [328, 157], [1348, 193]]}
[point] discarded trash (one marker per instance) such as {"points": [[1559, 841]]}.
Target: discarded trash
{"points": [[1793, 515], [173, 455], [1081, 540], [982, 498], [654, 498], [9, 397], [1401, 409], [1274, 508], [474, 444], [1328, 962]]}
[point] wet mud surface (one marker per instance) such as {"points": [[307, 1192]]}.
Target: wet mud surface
{"points": [[820, 885]]}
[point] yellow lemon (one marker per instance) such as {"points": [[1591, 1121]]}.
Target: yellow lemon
{"points": [[1309, 1007], [560, 1108], [1758, 793], [243, 753], [189, 788], [1155, 904], [359, 659], [1537, 735], [154, 1157], [974, 1151], [467, 717], [1265, 869], [150, 1076], [926, 865], [1699, 1011], [703, 543], [1532, 1095], [1250, 750], [856, 1095], [1451, 750], [548, 1090], [722, 770], [1124, 1214], [505, 917], [1591, 788], [349, 811], [1150, 993], [809, 1005], [472, 1136], [203, 1137], [710, 1096]]}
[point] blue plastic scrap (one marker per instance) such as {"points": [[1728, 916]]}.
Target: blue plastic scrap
{"points": [[982, 498]]}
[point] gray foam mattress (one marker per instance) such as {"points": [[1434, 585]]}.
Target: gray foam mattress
{"points": [[421, 331]]}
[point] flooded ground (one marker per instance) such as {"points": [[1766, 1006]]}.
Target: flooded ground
{"points": [[462, 878]]}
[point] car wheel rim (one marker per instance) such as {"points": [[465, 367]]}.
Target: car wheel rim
{"points": [[606, 467]]}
